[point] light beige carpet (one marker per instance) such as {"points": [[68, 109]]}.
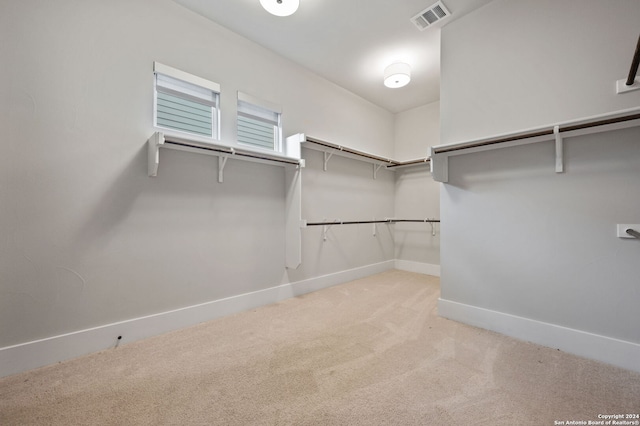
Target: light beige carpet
{"points": [[369, 352]]}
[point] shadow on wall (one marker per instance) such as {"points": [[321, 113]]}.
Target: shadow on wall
{"points": [[114, 204]]}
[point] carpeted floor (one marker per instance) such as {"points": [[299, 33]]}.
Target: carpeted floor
{"points": [[368, 352]]}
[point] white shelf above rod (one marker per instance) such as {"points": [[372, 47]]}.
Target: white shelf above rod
{"points": [[601, 123], [160, 140]]}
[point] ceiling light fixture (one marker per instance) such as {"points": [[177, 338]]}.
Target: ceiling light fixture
{"points": [[397, 75], [280, 7]]}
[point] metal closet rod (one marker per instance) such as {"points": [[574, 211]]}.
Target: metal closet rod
{"points": [[233, 152], [360, 222], [408, 163], [634, 65], [390, 163]]}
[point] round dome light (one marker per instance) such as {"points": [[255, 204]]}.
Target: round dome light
{"points": [[280, 7], [397, 75]]}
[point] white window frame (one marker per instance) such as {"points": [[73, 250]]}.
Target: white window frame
{"points": [[176, 90], [278, 145]]}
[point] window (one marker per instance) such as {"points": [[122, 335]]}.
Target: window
{"points": [[259, 123], [185, 102]]}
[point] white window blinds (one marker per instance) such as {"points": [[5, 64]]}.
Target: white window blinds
{"points": [[185, 102], [258, 123]]}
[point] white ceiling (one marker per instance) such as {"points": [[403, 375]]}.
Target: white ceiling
{"points": [[349, 42]]}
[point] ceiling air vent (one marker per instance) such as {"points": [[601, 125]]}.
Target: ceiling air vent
{"points": [[435, 13]]}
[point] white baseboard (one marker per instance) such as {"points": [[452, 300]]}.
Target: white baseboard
{"points": [[593, 346], [419, 267], [38, 353]]}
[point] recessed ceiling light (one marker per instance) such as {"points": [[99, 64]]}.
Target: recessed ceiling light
{"points": [[397, 75], [280, 7]]}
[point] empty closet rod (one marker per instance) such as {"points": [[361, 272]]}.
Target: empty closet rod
{"points": [[409, 163], [361, 222], [634, 65], [388, 162], [537, 133], [234, 152], [633, 233], [415, 220], [350, 151]]}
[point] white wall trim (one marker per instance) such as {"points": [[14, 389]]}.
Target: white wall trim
{"points": [[418, 267], [26, 356], [601, 348]]}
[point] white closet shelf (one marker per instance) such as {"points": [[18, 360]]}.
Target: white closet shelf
{"points": [[200, 146], [600, 123], [329, 149]]}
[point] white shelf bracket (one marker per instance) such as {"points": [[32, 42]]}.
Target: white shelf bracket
{"points": [[376, 167], [433, 228], [222, 161], [559, 150], [327, 157], [439, 166], [153, 153], [374, 228], [325, 228]]}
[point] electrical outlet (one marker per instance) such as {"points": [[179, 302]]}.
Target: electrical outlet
{"points": [[622, 230]]}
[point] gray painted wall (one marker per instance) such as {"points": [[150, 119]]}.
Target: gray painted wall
{"points": [[346, 191], [514, 65], [518, 238], [417, 195], [87, 239]]}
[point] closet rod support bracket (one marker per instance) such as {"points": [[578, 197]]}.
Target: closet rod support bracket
{"points": [[559, 150], [621, 86], [376, 167], [153, 153], [222, 161], [628, 230], [327, 157]]}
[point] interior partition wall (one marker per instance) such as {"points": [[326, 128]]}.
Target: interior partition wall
{"points": [[530, 243]]}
